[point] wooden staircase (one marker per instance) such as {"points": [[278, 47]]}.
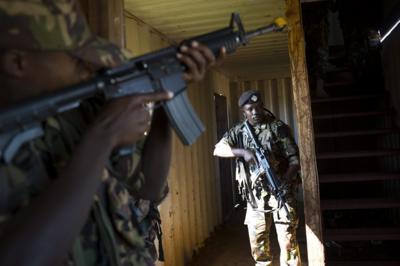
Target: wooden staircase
{"points": [[358, 157]]}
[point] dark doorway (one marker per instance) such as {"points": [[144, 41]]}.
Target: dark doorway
{"points": [[225, 165]]}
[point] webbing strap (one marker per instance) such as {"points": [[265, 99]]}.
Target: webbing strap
{"points": [[77, 253], [106, 233]]}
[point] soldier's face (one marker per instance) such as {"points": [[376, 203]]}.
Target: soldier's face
{"points": [[254, 113], [26, 74], [58, 70]]}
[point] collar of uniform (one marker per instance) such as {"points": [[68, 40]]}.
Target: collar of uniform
{"points": [[260, 127]]}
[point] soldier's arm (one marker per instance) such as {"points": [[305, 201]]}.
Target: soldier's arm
{"points": [[224, 148], [42, 233], [291, 172], [156, 157], [290, 150]]}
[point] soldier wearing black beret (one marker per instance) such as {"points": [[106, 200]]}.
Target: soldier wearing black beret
{"points": [[263, 209], [251, 96]]}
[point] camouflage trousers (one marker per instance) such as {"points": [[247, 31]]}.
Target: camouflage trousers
{"points": [[259, 225]]}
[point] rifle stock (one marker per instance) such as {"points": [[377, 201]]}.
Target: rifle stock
{"points": [[151, 72]]}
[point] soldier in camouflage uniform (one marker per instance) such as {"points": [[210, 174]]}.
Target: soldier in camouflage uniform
{"points": [[262, 207], [62, 201]]}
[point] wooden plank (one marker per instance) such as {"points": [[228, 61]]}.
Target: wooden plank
{"points": [[362, 234], [357, 133], [353, 204], [345, 83], [358, 177], [357, 154], [364, 263], [351, 115], [302, 101], [338, 69], [348, 98]]}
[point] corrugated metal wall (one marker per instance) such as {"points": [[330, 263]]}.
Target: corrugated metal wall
{"points": [[192, 209]]}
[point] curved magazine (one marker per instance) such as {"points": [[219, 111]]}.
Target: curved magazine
{"points": [[184, 119]]}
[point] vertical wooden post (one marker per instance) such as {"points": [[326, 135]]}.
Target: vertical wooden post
{"points": [[301, 95], [106, 19]]}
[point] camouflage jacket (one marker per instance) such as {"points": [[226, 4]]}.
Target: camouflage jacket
{"points": [[118, 224], [282, 151]]}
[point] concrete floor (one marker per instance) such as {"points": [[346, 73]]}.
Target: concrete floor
{"points": [[229, 245]]}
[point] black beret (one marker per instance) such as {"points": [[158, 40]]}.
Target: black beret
{"points": [[251, 96]]}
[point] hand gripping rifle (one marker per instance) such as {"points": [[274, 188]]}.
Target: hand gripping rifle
{"points": [[156, 71], [267, 171]]}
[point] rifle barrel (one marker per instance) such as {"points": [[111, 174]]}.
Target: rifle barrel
{"points": [[278, 25], [260, 31]]}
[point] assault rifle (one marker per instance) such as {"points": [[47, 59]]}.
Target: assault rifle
{"points": [[156, 71], [265, 169]]}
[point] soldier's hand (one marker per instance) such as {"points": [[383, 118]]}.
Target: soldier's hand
{"points": [[284, 188], [249, 156], [198, 58], [126, 120]]}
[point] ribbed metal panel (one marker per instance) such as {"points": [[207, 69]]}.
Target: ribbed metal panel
{"points": [[265, 57], [192, 209]]}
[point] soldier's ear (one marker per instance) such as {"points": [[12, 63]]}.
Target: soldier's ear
{"points": [[13, 63]]}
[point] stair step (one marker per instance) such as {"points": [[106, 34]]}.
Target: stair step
{"points": [[347, 98], [338, 84], [362, 234], [357, 133], [351, 115], [357, 154], [338, 69], [363, 263], [353, 204], [358, 177], [337, 53]]}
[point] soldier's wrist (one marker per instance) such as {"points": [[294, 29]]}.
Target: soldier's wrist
{"points": [[239, 152], [100, 136]]}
